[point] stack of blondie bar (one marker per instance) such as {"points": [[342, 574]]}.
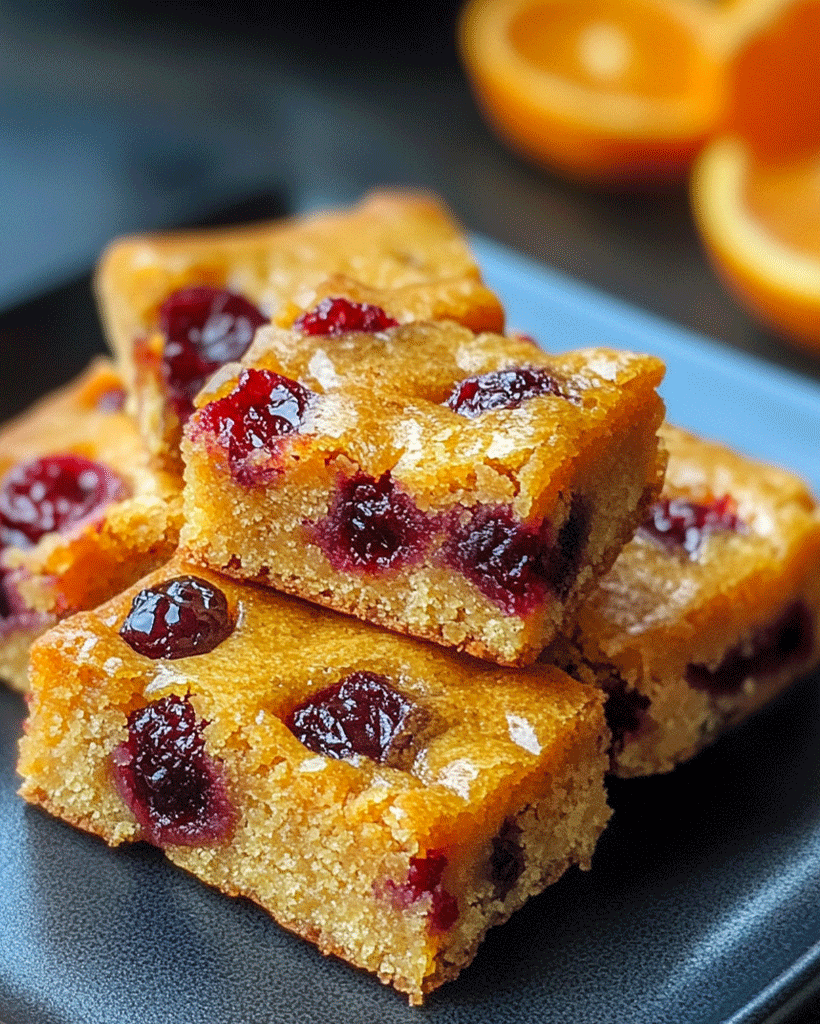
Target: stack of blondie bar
{"points": [[349, 602]]}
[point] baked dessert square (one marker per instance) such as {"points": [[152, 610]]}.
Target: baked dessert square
{"points": [[177, 305], [467, 489], [381, 797], [708, 613], [82, 514]]}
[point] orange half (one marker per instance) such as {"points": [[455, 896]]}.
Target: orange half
{"points": [[756, 190], [607, 91]]}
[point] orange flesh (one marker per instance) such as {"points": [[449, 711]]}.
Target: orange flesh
{"points": [[785, 200], [614, 49], [775, 84]]}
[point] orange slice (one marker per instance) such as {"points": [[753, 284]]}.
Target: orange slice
{"points": [[756, 189], [607, 91]]}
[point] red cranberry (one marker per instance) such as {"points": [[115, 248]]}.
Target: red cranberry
{"points": [[678, 523], [336, 316], [174, 788], [788, 641], [423, 878], [203, 327], [624, 710], [362, 714], [51, 494], [178, 618], [372, 526], [248, 422], [502, 389], [507, 859]]}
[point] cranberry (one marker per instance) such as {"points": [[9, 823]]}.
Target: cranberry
{"points": [[362, 714], [204, 327], [624, 710], [501, 556], [679, 523], [507, 859], [502, 389], [423, 878], [372, 526], [788, 641], [178, 618], [5, 604], [336, 316], [561, 565], [248, 422], [51, 494], [174, 788]]}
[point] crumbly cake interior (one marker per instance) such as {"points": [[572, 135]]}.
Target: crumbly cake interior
{"points": [[690, 643], [96, 557], [569, 472], [399, 867]]}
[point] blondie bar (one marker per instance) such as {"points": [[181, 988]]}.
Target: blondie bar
{"points": [[178, 305], [82, 514], [709, 612], [381, 797], [467, 489]]}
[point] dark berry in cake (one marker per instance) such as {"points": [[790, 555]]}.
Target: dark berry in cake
{"points": [[53, 493], [363, 715], [682, 524], [250, 421], [503, 389], [507, 859], [179, 618], [204, 327], [625, 711], [339, 315], [372, 526], [514, 564], [163, 772], [424, 878], [785, 643]]}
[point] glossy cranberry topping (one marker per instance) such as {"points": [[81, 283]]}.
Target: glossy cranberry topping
{"points": [[624, 711], [250, 421], [336, 316], [678, 523], [53, 493], [502, 389], [174, 788], [372, 526], [362, 714], [204, 327], [178, 618], [507, 859], [514, 564], [423, 878], [786, 642]]}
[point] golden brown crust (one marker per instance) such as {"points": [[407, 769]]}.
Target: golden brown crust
{"points": [[590, 452], [322, 843], [657, 613]]}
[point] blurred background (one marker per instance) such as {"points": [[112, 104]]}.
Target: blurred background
{"points": [[123, 116], [117, 117]]}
